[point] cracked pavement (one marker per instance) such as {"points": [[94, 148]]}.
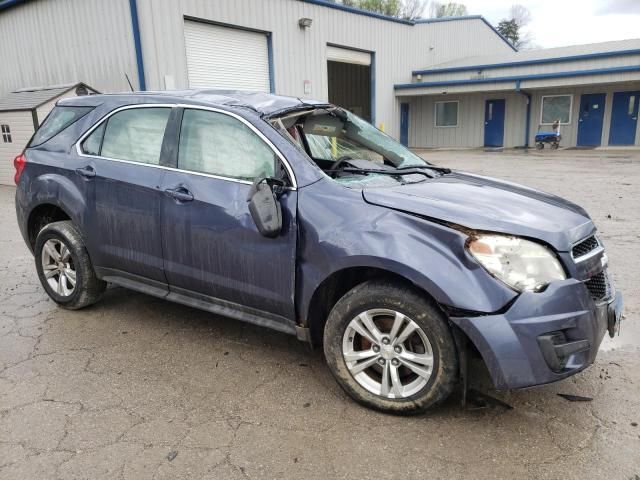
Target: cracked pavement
{"points": [[139, 388]]}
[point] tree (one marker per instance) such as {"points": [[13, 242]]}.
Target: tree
{"points": [[451, 9], [406, 9], [512, 27]]}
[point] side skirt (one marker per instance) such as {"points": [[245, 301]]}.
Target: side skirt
{"points": [[198, 300]]}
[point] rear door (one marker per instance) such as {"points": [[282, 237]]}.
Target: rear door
{"points": [[212, 248], [123, 171]]}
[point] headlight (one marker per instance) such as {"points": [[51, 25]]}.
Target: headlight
{"points": [[520, 263]]}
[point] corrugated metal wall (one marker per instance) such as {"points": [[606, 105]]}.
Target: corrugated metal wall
{"points": [[63, 41], [470, 129], [300, 55]]}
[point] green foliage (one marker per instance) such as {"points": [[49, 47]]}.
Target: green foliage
{"points": [[450, 9], [510, 30], [407, 9]]}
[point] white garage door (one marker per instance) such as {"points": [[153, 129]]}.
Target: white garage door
{"points": [[346, 55], [224, 57]]}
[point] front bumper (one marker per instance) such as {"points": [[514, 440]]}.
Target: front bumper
{"points": [[543, 337]]}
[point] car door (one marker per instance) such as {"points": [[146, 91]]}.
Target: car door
{"points": [[123, 156], [212, 247]]}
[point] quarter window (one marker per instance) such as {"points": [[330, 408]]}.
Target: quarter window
{"points": [[218, 144], [6, 133], [446, 114], [135, 135], [556, 107]]}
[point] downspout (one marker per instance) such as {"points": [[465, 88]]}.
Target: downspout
{"points": [[136, 42], [527, 127]]}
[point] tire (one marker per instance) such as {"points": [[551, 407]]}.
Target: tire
{"points": [[69, 256], [540, 146], [381, 301]]}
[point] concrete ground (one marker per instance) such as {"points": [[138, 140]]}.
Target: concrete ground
{"points": [[139, 388]]}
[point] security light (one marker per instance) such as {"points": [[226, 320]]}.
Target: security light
{"points": [[305, 22]]}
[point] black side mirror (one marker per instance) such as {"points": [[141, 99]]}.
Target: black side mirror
{"points": [[265, 207]]}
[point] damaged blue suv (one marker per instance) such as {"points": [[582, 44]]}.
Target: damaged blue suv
{"points": [[299, 216]]}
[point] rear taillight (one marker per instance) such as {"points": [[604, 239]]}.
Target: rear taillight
{"points": [[19, 163]]}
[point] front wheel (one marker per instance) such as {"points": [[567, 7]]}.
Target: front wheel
{"points": [[390, 348]]}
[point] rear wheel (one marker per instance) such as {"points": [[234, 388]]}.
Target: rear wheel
{"points": [[390, 348], [539, 146], [64, 266]]}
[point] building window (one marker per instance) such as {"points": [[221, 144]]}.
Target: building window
{"points": [[556, 107], [6, 133], [446, 114]]}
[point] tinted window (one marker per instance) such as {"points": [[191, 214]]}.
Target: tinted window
{"points": [[218, 144], [59, 119], [135, 134], [93, 142], [446, 114]]}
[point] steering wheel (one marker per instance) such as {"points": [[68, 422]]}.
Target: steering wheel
{"points": [[338, 163]]}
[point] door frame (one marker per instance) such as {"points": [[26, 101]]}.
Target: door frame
{"points": [[637, 111]]}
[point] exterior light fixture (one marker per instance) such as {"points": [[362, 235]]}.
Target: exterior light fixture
{"points": [[305, 22]]}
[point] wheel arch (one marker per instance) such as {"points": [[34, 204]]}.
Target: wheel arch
{"points": [[42, 215], [335, 285]]}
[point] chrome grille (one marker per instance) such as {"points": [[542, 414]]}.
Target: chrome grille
{"points": [[599, 286], [584, 247]]}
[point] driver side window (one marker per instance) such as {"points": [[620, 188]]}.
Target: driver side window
{"points": [[218, 144]]}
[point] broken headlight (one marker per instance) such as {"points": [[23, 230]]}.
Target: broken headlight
{"points": [[521, 264]]}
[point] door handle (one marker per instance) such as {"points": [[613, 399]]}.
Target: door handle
{"points": [[86, 172], [181, 194]]}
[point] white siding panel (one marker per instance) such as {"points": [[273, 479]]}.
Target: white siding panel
{"points": [[21, 125], [344, 55], [223, 57]]}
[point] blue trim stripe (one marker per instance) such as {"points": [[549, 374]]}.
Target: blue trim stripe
{"points": [[515, 78], [133, 6], [272, 80], [367, 13], [4, 4], [539, 61], [358, 11]]}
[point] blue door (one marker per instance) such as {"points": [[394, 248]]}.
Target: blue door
{"points": [[494, 123], [590, 119], [404, 124], [624, 118]]}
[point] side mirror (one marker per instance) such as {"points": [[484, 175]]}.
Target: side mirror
{"points": [[265, 207]]}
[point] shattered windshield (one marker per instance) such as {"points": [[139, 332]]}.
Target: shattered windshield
{"points": [[350, 150]]}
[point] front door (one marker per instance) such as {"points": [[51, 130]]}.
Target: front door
{"points": [[121, 171], [494, 123], [590, 119], [624, 118], [212, 248], [404, 124]]}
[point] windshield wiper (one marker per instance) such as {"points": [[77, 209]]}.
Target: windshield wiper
{"points": [[443, 170], [393, 173]]}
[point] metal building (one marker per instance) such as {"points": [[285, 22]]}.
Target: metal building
{"points": [[452, 82]]}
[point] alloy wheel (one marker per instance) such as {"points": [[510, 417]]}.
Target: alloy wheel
{"points": [[387, 353], [58, 267]]}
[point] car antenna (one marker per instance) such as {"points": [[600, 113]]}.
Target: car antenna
{"points": [[128, 81]]}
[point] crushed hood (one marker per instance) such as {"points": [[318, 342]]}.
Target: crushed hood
{"points": [[487, 204]]}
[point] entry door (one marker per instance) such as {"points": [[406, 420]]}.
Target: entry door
{"points": [[590, 119], [211, 245], [624, 118], [404, 124], [494, 123]]}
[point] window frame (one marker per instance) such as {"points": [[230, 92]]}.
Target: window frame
{"points": [[6, 133], [105, 118], [435, 114], [570, 95]]}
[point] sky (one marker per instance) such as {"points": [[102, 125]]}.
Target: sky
{"points": [[556, 23]]}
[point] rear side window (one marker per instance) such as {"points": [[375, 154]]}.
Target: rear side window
{"points": [[134, 135], [59, 119]]}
